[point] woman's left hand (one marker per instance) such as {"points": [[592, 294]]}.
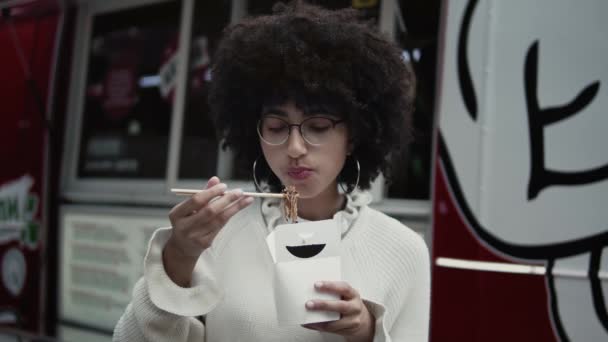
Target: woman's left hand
{"points": [[356, 323]]}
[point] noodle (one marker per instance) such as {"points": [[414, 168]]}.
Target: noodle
{"points": [[290, 204]]}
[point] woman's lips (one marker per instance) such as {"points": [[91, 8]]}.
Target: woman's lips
{"points": [[299, 173]]}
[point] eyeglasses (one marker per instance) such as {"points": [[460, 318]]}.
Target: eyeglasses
{"points": [[315, 130]]}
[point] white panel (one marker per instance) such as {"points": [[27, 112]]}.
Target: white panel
{"points": [[570, 58], [462, 134], [102, 251]]}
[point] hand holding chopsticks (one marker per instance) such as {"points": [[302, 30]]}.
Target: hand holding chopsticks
{"points": [[195, 222]]}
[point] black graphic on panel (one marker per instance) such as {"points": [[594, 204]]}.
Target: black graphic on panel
{"points": [[597, 292], [539, 118], [464, 72], [305, 251]]}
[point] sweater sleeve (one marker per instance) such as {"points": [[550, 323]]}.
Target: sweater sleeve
{"points": [[393, 261], [143, 321], [411, 319], [412, 322], [161, 310]]}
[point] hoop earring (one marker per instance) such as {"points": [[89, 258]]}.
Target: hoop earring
{"points": [[255, 179], [358, 176]]}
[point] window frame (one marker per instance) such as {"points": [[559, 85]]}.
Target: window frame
{"points": [[407, 210], [116, 190]]}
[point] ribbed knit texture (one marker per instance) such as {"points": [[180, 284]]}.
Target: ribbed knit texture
{"points": [[386, 262]]}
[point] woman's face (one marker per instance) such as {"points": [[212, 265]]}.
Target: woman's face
{"points": [[312, 169]]}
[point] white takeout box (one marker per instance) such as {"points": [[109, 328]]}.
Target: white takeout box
{"points": [[304, 253]]}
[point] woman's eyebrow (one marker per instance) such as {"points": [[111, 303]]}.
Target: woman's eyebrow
{"points": [[274, 111], [309, 111], [320, 109]]}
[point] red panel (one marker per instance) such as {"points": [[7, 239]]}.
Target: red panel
{"points": [[480, 306], [22, 142]]}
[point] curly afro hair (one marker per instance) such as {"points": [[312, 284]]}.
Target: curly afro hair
{"points": [[315, 57]]}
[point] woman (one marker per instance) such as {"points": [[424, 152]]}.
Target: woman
{"points": [[314, 99]]}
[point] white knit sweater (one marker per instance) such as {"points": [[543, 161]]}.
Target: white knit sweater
{"points": [[386, 262]]}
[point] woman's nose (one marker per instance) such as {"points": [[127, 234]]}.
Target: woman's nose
{"points": [[296, 146]]}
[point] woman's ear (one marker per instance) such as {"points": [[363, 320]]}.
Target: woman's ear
{"points": [[350, 148]]}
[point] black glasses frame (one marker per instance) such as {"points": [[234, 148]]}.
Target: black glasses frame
{"points": [[334, 122]]}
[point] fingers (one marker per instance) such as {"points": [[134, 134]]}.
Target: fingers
{"points": [[197, 201], [220, 220], [234, 208], [346, 325], [341, 288], [353, 317], [340, 306], [342, 326], [216, 221], [213, 181], [185, 208], [197, 220], [349, 305], [221, 209], [227, 199], [350, 308]]}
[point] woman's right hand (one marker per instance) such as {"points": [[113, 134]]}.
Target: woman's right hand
{"points": [[196, 221]]}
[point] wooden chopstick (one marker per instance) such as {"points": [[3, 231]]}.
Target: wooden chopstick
{"points": [[190, 192]]}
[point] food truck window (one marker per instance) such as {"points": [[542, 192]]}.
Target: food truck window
{"points": [[129, 93], [199, 146]]}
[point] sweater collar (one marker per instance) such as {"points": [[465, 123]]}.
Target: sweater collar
{"points": [[272, 211]]}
